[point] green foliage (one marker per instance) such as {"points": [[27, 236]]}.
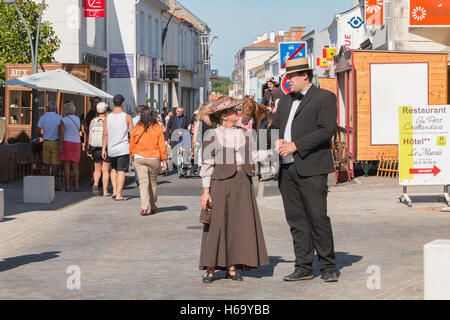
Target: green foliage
{"points": [[221, 85], [14, 42]]}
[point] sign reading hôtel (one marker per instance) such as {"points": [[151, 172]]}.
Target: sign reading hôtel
{"points": [[424, 152], [429, 13]]}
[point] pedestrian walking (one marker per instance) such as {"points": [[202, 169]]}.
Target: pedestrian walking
{"points": [[306, 120], [70, 144], [175, 123], [148, 152], [94, 150], [233, 238], [116, 130], [136, 119], [48, 129]]}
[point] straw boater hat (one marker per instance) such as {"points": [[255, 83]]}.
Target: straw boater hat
{"points": [[297, 65]]}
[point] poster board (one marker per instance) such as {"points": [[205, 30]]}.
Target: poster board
{"points": [[393, 85], [424, 153]]}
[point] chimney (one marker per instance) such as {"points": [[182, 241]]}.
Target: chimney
{"points": [[264, 36], [281, 32], [272, 36]]}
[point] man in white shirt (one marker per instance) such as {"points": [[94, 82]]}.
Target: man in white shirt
{"points": [[48, 128], [306, 120]]}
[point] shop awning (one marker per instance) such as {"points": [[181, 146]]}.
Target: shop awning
{"points": [[58, 81]]}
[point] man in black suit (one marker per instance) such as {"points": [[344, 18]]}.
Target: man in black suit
{"points": [[174, 125], [306, 120]]}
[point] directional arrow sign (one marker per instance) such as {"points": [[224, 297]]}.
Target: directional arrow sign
{"points": [[435, 170]]}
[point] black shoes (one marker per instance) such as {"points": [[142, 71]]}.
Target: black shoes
{"points": [[298, 275], [329, 276], [235, 277]]}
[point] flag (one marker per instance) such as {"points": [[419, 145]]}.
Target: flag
{"points": [[329, 53], [322, 63], [374, 12]]}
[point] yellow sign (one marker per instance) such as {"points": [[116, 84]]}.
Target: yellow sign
{"points": [[329, 53], [441, 141]]}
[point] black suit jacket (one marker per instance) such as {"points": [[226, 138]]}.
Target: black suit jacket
{"points": [[172, 125], [313, 127]]}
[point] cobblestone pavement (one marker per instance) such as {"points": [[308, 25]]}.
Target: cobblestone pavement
{"points": [[122, 255]]}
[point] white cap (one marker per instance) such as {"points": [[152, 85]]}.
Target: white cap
{"points": [[102, 107]]}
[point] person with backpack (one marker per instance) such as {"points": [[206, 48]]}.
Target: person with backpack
{"points": [[94, 151]]}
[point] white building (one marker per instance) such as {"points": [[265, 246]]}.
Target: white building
{"points": [[125, 47], [397, 35], [134, 51], [186, 46], [346, 29]]}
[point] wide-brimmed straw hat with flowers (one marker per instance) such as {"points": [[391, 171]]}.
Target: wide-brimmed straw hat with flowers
{"points": [[222, 103]]}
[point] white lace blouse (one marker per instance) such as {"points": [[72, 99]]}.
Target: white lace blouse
{"points": [[230, 138]]}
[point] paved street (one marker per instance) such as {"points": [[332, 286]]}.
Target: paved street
{"points": [[122, 255]]}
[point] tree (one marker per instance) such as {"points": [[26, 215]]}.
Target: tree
{"points": [[14, 42], [221, 85]]}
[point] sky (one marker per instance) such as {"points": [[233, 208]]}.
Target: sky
{"points": [[237, 23]]}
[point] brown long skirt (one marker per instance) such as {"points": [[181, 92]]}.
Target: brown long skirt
{"points": [[235, 235]]}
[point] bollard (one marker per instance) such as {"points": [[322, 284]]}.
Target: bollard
{"points": [[436, 256]]}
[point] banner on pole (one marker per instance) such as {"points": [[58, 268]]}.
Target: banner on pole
{"points": [[374, 10]]}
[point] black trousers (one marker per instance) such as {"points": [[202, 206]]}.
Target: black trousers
{"points": [[305, 205]]}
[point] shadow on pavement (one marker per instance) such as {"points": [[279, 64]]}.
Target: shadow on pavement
{"points": [[265, 271], [173, 208], [343, 260], [13, 195], [15, 262]]}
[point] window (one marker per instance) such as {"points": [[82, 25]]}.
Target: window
{"points": [[156, 38], [149, 38], [141, 32], [19, 107]]}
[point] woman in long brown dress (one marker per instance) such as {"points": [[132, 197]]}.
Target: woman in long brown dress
{"points": [[234, 237]]}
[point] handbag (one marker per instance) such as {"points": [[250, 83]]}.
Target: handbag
{"points": [[205, 216]]}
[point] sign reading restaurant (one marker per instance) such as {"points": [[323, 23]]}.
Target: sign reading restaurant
{"points": [[423, 149]]}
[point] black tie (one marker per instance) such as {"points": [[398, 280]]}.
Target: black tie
{"points": [[296, 96]]}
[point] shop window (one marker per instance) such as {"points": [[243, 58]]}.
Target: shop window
{"points": [[19, 107]]}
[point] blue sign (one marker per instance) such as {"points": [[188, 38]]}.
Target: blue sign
{"points": [[121, 65], [291, 51], [356, 22]]}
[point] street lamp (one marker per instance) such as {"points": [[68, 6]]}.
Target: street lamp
{"points": [[34, 62], [210, 45], [164, 33]]}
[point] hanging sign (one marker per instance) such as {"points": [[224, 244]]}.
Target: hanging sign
{"points": [[94, 8], [424, 154], [322, 63], [374, 10], [329, 53], [429, 13]]}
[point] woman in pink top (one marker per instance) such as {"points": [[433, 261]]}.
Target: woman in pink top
{"points": [[70, 144]]}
